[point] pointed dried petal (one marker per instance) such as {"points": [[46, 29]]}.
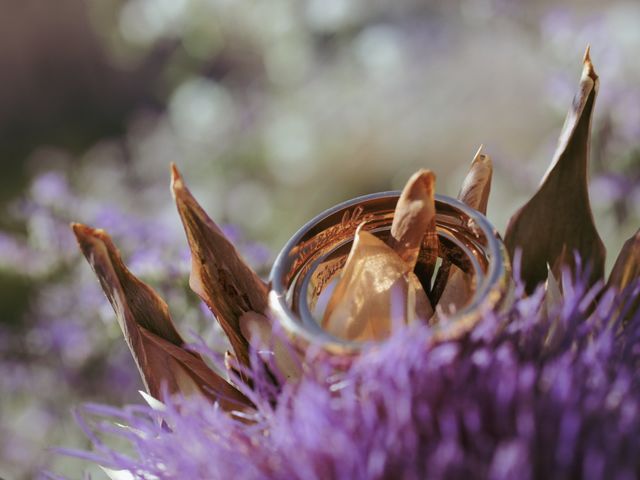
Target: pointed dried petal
{"points": [[375, 290], [414, 220], [452, 287], [477, 184], [219, 276], [627, 266], [135, 303], [559, 216], [144, 318]]}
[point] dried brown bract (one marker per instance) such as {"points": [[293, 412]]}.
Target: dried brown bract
{"points": [[558, 217], [228, 286], [156, 346], [452, 287]]}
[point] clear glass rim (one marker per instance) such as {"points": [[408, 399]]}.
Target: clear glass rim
{"points": [[488, 295]]}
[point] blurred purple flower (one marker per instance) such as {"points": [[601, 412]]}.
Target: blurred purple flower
{"points": [[51, 189]]}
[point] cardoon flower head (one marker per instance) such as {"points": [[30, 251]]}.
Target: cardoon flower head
{"points": [[544, 388]]}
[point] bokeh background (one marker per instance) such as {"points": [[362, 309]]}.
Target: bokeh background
{"points": [[274, 110]]}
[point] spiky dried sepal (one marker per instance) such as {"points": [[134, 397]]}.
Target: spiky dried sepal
{"points": [[156, 346], [558, 217], [477, 184], [228, 286]]}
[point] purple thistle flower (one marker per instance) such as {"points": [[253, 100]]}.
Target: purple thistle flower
{"points": [[504, 405]]}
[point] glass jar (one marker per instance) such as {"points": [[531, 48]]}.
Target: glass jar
{"points": [[312, 260]]}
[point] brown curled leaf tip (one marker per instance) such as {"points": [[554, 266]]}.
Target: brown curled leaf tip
{"points": [[132, 299], [477, 184], [414, 219], [627, 266], [558, 217], [219, 276], [144, 319]]}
